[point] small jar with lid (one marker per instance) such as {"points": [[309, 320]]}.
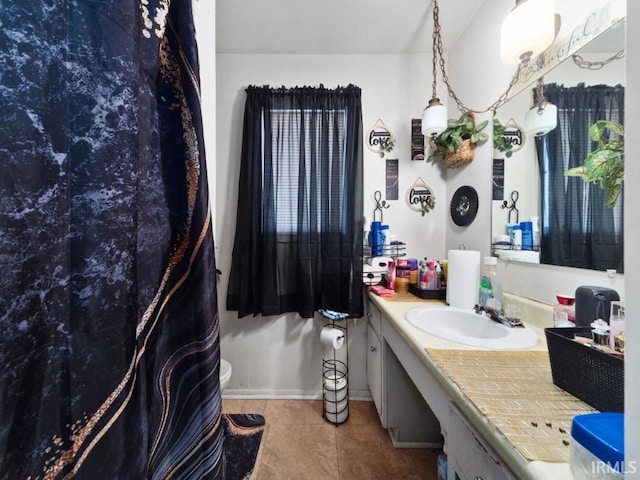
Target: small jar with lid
{"points": [[564, 312]]}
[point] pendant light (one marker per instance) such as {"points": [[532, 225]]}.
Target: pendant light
{"points": [[434, 116], [543, 116], [528, 30]]}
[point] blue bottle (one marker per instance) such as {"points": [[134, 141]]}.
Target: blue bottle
{"points": [[527, 235], [376, 238]]}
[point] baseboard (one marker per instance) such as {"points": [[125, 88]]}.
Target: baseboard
{"points": [[255, 394]]}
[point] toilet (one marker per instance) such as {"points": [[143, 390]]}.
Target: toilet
{"points": [[225, 374]]}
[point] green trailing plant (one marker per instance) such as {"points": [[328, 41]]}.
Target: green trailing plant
{"points": [[605, 164], [498, 140], [427, 205], [387, 146], [458, 130]]}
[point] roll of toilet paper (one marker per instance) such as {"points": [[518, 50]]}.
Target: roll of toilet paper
{"points": [[371, 275], [380, 263], [463, 278], [338, 418], [372, 279], [336, 407], [333, 337]]}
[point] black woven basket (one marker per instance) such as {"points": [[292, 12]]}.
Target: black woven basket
{"points": [[593, 376]]}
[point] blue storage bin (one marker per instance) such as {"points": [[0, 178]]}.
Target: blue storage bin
{"points": [[597, 447]]}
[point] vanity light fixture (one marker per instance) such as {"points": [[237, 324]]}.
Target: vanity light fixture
{"points": [[543, 116], [528, 30]]}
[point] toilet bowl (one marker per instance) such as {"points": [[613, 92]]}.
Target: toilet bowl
{"points": [[225, 374]]}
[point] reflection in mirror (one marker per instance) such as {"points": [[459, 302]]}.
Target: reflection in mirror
{"points": [[522, 174]]}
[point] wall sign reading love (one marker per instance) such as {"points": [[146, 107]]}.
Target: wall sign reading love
{"points": [[379, 138], [420, 197], [514, 135]]}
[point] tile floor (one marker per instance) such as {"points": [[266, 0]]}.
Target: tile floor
{"points": [[299, 444]]}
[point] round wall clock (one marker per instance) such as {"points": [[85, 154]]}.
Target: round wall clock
{"points": [[464, 205]]}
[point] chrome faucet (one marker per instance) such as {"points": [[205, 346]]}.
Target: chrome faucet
{"points": [[496, 316]]}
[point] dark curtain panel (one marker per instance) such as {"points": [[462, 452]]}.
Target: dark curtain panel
{"points": [[298, 241], [109, 353], [577, 229]]}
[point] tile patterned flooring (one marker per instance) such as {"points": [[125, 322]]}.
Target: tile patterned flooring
{"points": [[298, 444]]}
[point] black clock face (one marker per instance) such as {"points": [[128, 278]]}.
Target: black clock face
{"points": [[464, 205]]}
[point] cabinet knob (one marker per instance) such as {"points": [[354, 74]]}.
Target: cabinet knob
{"points": [[372, 348], [369, 314]]}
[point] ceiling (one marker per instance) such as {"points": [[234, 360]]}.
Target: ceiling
{"points": [[336, 26]]}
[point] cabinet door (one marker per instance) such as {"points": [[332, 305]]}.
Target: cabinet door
{"points": [[374, 368], [470, 457], [374, 317]]}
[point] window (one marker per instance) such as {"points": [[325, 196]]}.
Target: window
{"points": [[290, 150]]}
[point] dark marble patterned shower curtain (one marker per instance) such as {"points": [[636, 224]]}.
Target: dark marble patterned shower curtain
{"points": [[109, 345]]}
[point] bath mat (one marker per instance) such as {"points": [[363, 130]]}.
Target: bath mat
{"points": [[243, 433]]}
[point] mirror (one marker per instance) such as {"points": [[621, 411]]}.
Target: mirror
{"points": [[521, 170]]}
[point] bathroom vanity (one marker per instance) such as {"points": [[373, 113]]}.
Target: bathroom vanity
{"points": [[422, 405]]}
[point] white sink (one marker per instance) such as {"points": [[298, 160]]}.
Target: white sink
{"points": [[469, 328]]}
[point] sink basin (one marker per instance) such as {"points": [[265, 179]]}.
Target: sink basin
{"points": [[469, 328]]}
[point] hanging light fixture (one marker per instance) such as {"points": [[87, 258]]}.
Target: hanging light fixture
{"points": [[543, 116], [528, 30], [434, 116]]}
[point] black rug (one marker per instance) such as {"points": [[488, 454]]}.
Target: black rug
{"points": [[243, 433]]}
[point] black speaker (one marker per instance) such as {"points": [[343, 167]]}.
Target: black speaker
{"points": [[593, 303]]}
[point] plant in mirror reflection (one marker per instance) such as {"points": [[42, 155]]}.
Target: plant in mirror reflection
{"points": [[499, 142], [605, 164]]}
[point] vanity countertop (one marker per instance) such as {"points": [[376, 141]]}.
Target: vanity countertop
{"points": [[431, 351]]}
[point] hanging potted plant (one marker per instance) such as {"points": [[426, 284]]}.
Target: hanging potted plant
{"points": [[456, 144], [605, 164]]}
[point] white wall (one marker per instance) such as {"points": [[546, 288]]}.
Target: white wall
{"points": [[541, 282], [282, 355]]}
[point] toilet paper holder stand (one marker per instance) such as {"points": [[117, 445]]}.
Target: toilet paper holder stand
{"points": [[335, 378]]}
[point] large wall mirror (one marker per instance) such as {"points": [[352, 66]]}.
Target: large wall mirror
{"points": [[522, 172]]}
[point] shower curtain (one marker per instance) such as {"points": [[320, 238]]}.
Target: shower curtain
{"points": [[109, 351]]}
